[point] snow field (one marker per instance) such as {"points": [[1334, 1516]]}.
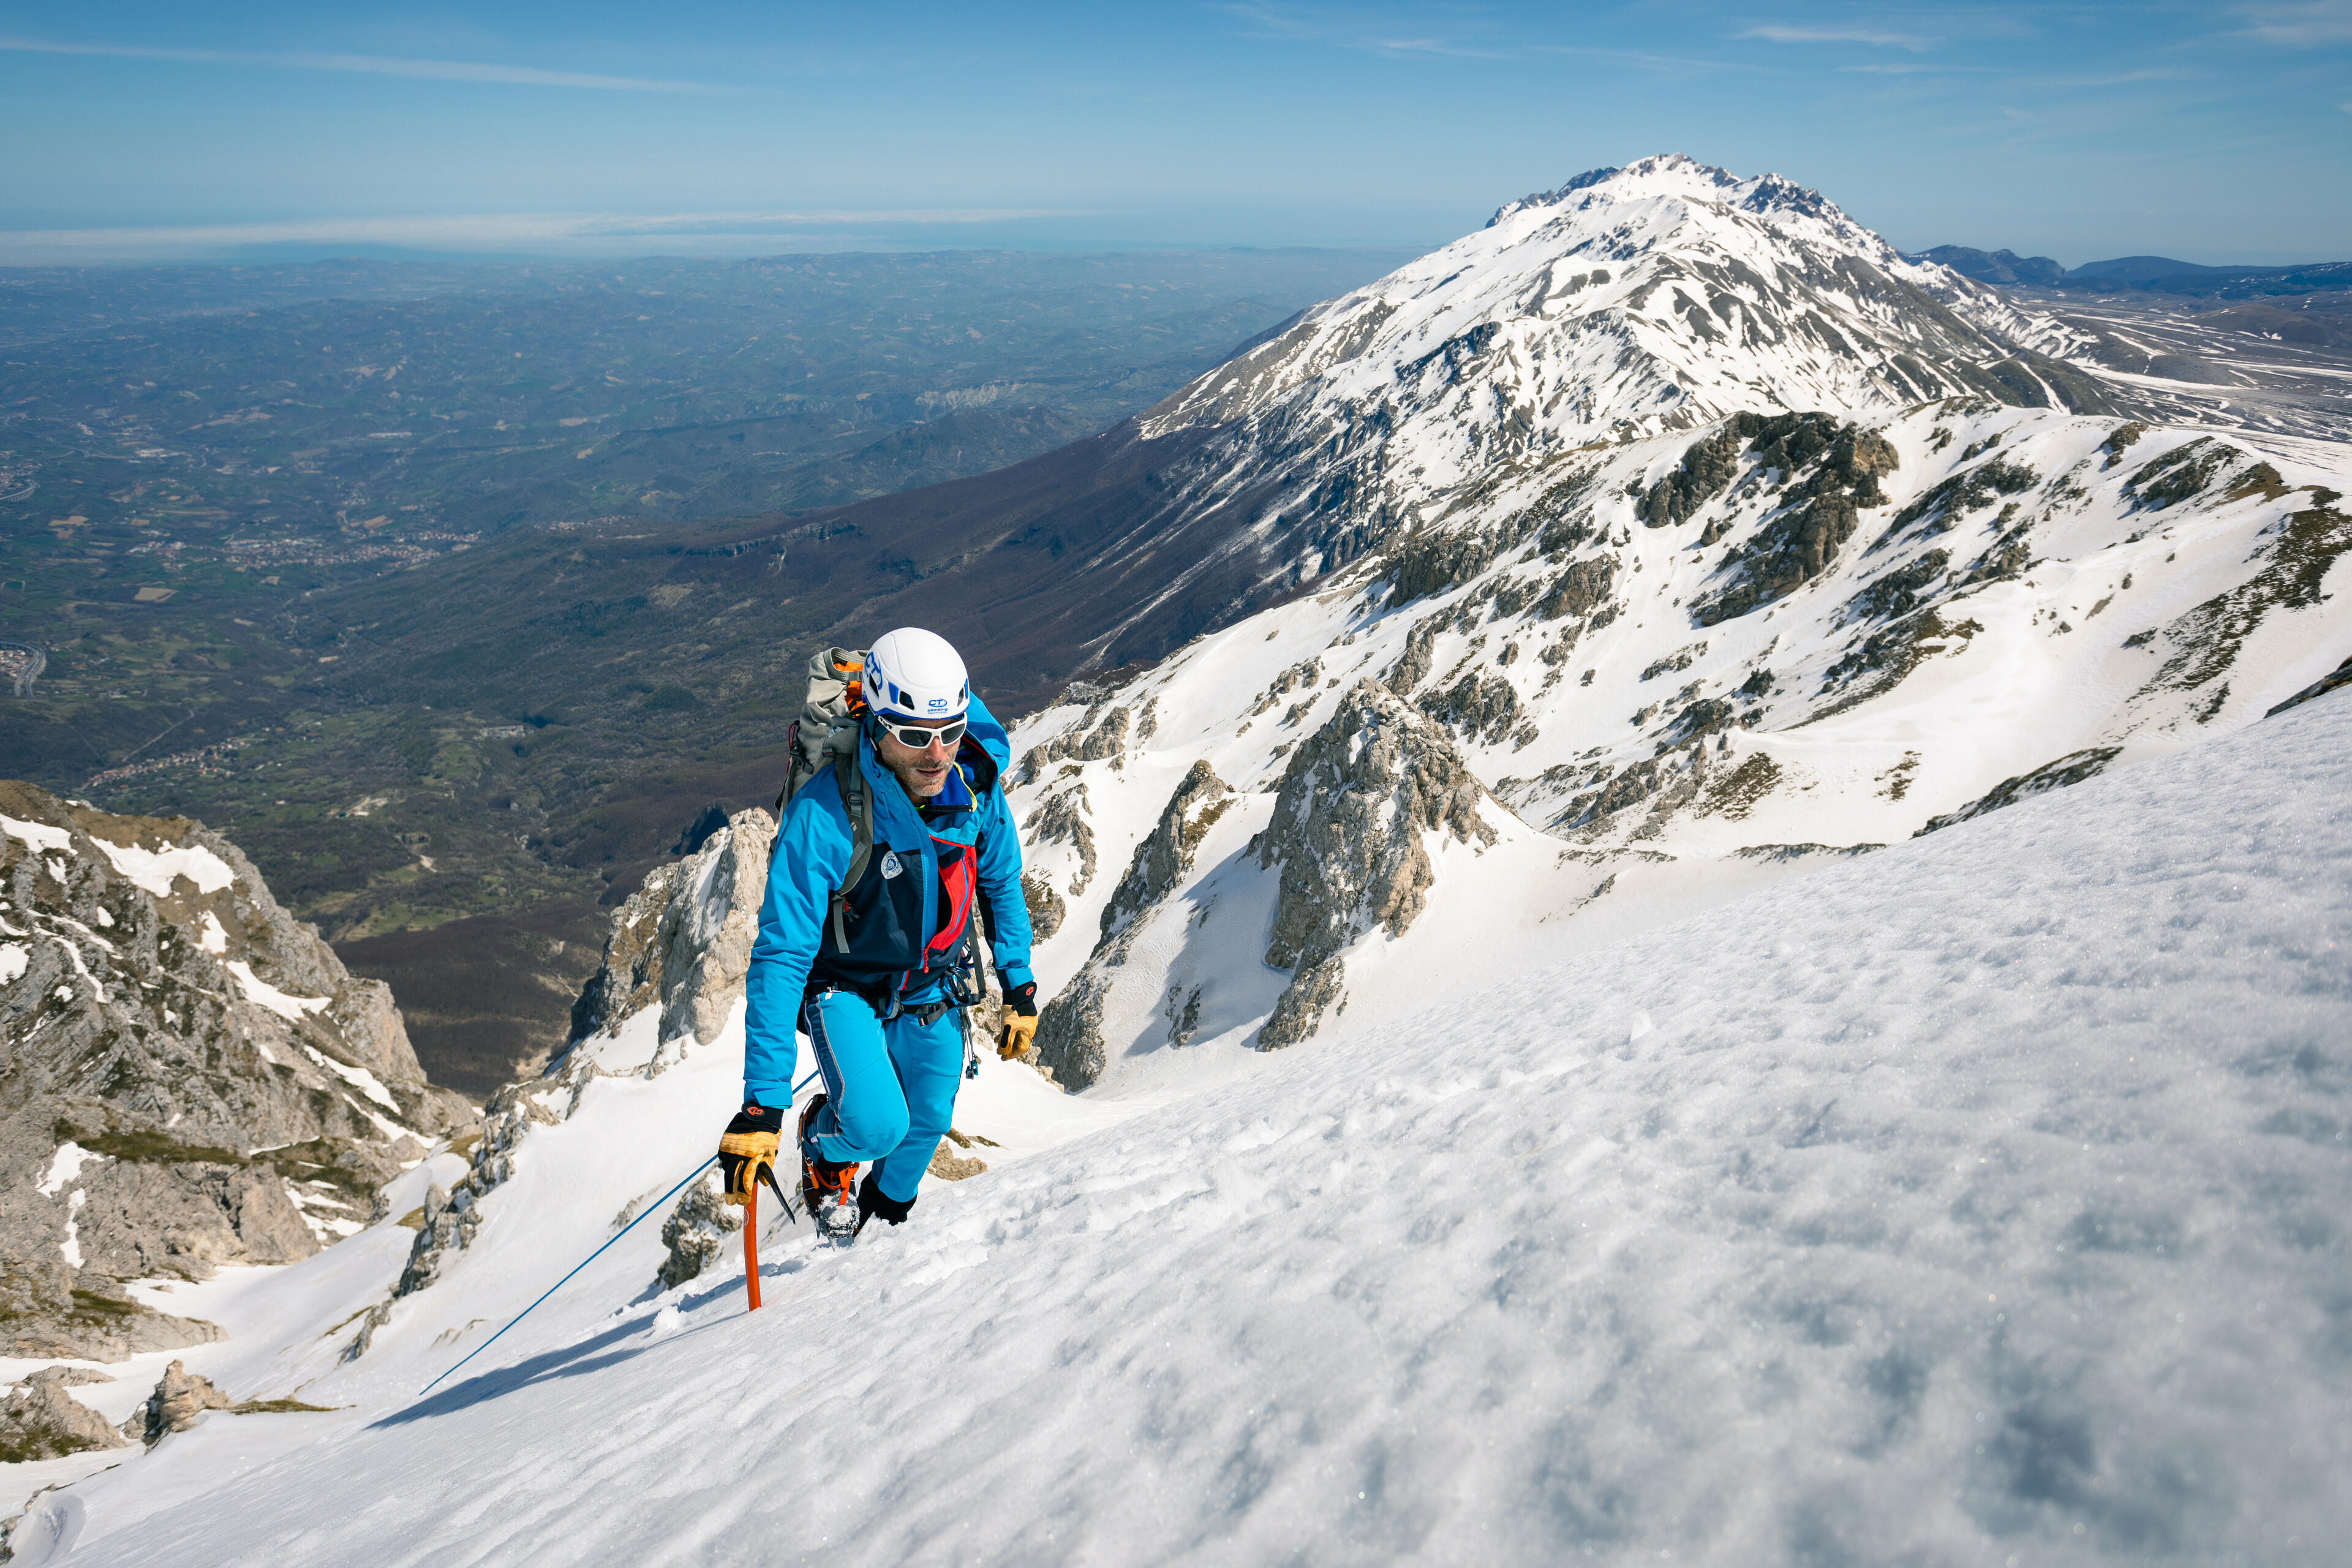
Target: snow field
{"points": [[1982, 1199]]}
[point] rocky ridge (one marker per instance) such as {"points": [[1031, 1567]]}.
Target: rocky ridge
{"points": [[191, 1077]]}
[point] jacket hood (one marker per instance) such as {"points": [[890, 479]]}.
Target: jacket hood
{"points": [[989, 733]]}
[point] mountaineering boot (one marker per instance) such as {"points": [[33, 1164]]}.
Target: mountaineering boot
{"points": [[828, 1191], [873, 1203]]}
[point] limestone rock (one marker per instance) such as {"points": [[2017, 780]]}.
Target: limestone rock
{"points": [[180, 1398], [449, 1223], [451, 1217], [40, 1420], [1081, 744], [682, 942], [1348, 820], [684, 938], [949, 1166], [1061, 818], [1047, 908], [2070, 769], [1167, 851], [46, 1310], [1069, 1045], [192, 1077], [1831, 470], [697, 1232]]}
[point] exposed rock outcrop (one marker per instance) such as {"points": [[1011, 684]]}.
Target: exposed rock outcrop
{"points": [[180, 1397], [191, 1077], [699, 1232], [2071, 769], [40, 1420], [1061, 818], [2334, 680], [1347, 833], [46, 1308], [1167, 851], [684, 938], [1069, 1042], [1831, 469], [451, 1217], [1079, 743]]}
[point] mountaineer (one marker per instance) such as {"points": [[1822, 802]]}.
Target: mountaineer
{"points": [[891, 829]]}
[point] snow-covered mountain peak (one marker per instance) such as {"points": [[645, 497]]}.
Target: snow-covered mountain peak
{"points": [[1631, 301], [1679, 175]]}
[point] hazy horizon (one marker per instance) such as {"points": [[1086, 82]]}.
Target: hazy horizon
{"points": [[269, 132]]}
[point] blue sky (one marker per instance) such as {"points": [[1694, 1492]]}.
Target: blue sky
{"points": [[2207, 132]]}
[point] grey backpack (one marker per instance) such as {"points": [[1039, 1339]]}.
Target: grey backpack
{"points": [[826, 732]]}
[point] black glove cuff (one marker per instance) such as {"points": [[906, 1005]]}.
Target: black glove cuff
{"points": [[758, 1119], [1023, 999]]}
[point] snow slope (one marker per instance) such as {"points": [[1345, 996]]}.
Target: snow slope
{"points": [[1980, 1200]]}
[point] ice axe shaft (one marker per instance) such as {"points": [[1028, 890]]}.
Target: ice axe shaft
{"points": [[751, 1246], [751, 1230]]}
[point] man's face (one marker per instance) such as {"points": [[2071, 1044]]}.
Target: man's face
{"points": [[923, 772]]}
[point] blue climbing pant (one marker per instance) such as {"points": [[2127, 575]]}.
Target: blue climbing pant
{"points": [[890, 1089]]}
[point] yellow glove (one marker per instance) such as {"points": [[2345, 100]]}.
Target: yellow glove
{"points": [[1019, 1027], [747, 1152]]}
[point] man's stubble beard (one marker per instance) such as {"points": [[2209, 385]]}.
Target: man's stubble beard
{"points": [[909, 781]]}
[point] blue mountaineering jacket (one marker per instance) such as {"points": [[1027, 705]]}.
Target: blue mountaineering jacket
{"points": [[907, 912]]}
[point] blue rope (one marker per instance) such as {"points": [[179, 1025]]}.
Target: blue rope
{"points": [[592, 1257], [584, 1262]]}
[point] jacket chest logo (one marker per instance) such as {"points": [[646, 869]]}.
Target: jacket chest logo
{"points": [[890, 866]]}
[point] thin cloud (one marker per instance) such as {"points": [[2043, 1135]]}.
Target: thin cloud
{"points": [[1906, 70], [1777, 34], [1653, 62], [2119, 79], [372, 65], [1295, 24], [1424, 47], [1303, 24], [2300, 25]]}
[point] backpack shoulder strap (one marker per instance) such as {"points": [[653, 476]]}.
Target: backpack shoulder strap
{"points": [[857, 800], [792, 748]]}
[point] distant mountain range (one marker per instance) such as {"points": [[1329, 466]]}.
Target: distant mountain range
{"points": [[2149, 274]]}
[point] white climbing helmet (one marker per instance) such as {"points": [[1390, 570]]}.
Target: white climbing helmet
{"points": [[913, 674]]}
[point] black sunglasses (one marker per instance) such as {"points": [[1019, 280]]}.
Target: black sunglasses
{"points": [[919, 737]]}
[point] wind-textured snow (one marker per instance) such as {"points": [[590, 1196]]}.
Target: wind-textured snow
{"points": [[1983, 1200]]}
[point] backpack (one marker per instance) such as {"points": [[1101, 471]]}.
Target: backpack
{"points": [[826, 732]]}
